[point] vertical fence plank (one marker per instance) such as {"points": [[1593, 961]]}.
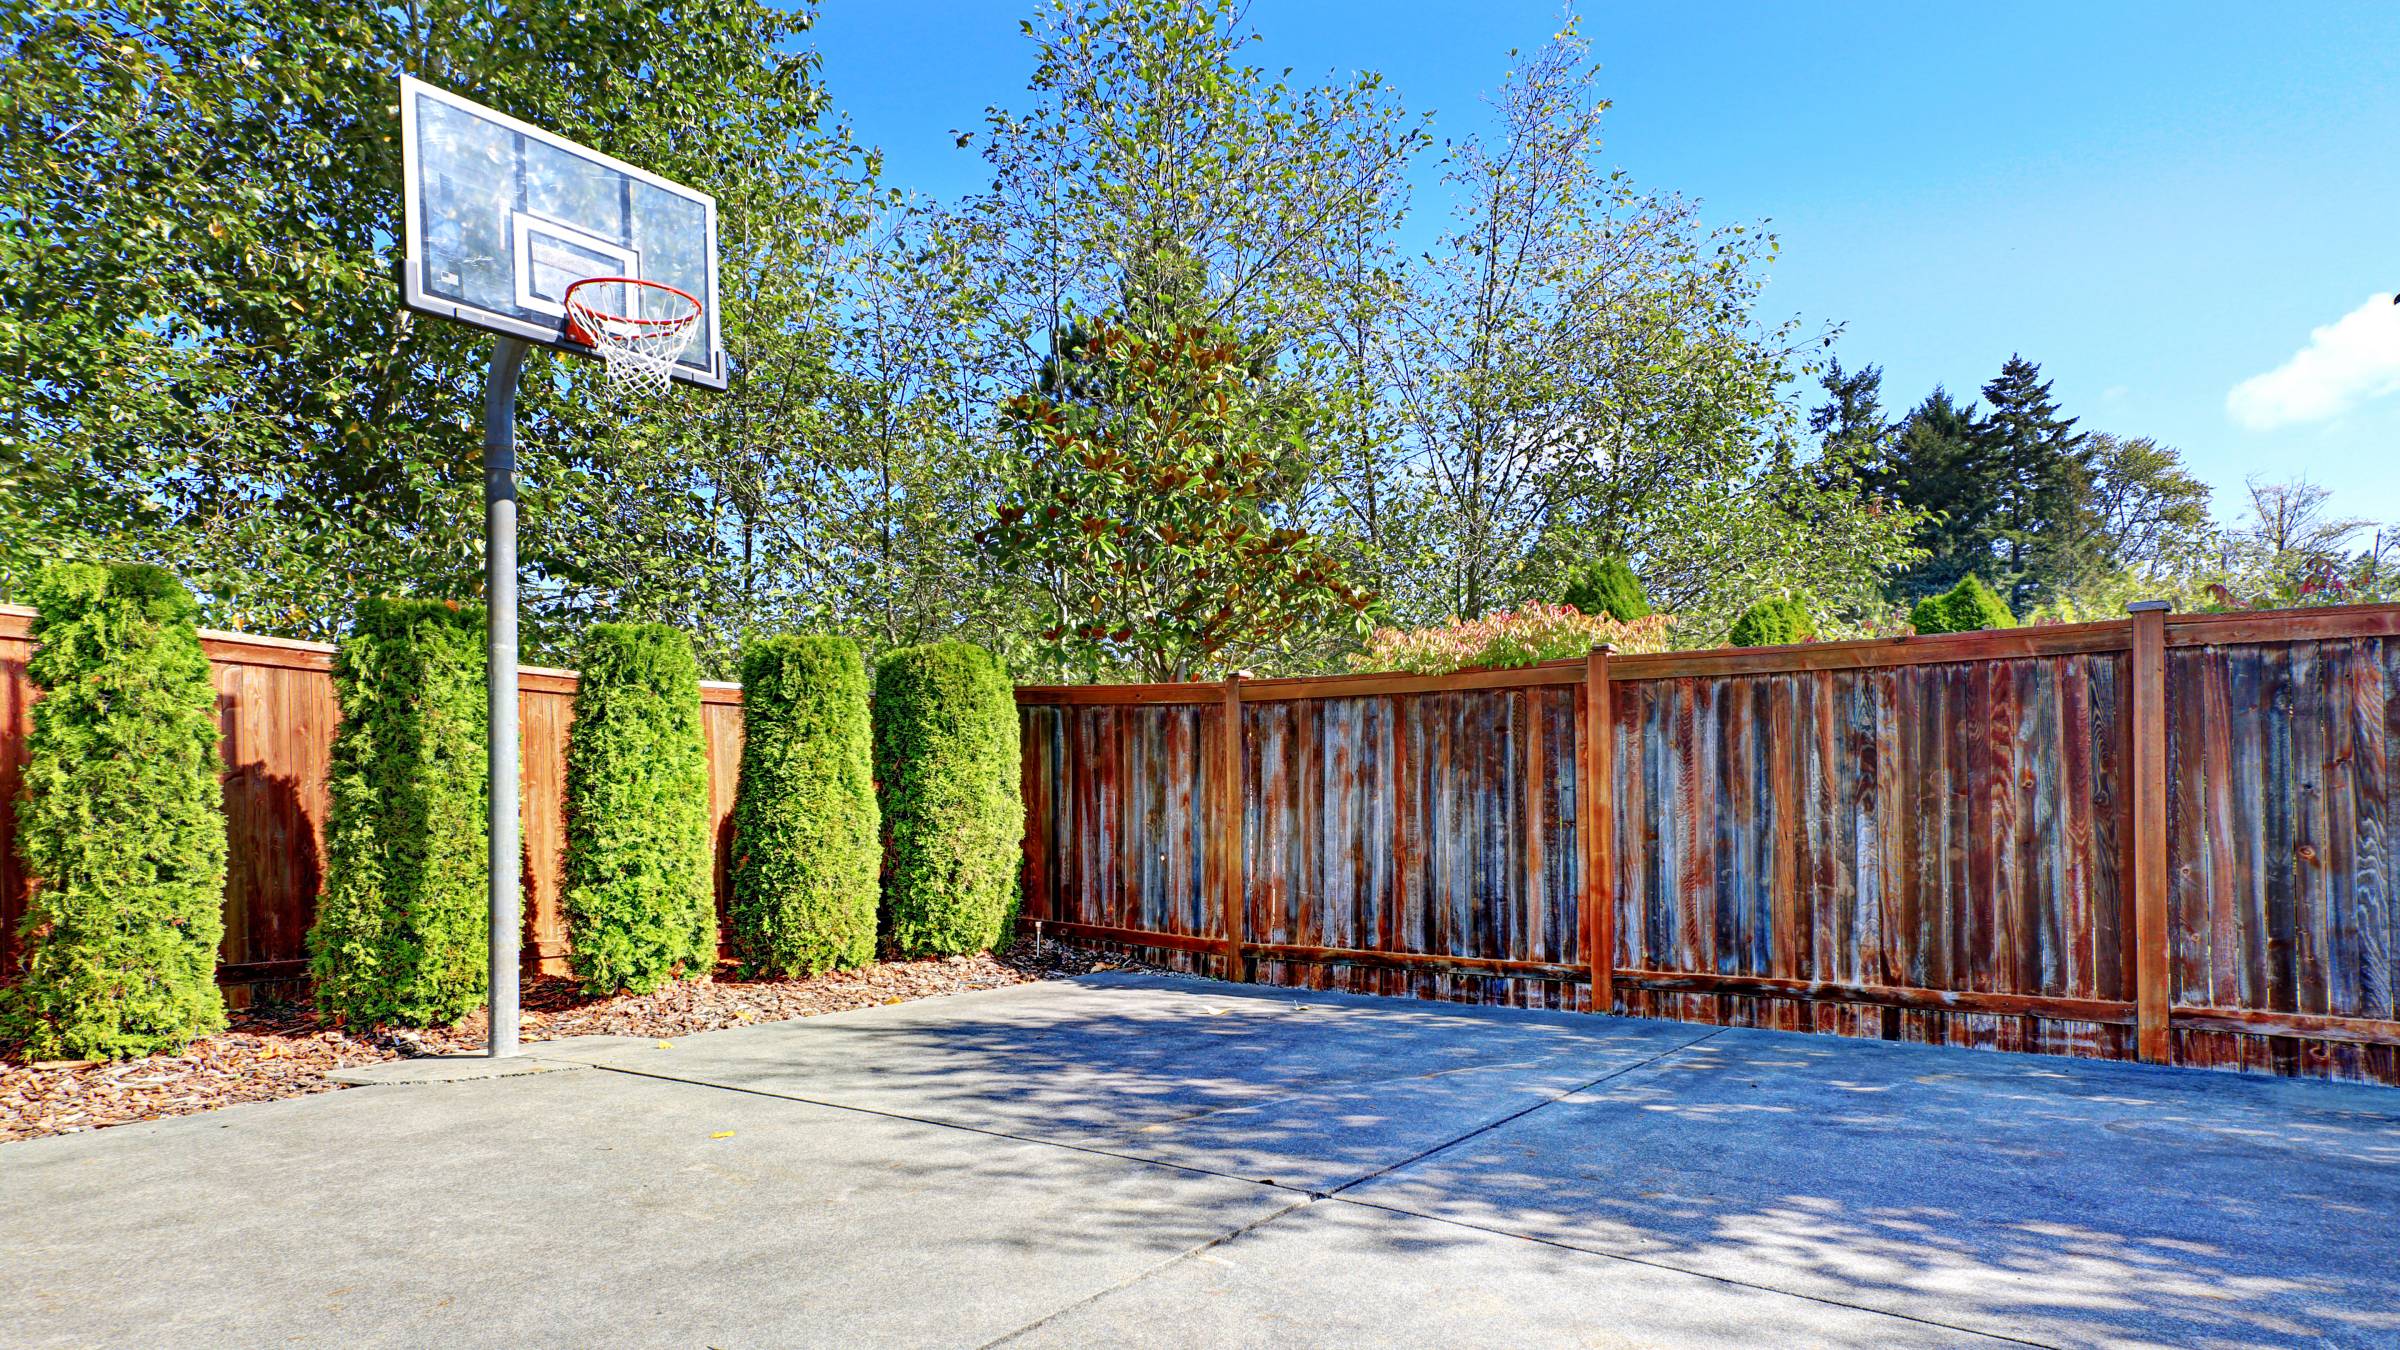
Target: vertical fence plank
{"points": [[2148, 893], [1596, 827], [1534, 782], [1233, 800]]}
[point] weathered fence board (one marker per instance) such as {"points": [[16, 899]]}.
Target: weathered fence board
{"points": [[2281, 852], [276, 708], [1948, 828], [2163, 837]]}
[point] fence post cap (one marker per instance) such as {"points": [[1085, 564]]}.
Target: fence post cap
{"points": [[2149, 606], [1604, 648]]}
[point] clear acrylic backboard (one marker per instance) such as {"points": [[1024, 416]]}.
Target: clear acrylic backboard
{"points": [[502, 217]]}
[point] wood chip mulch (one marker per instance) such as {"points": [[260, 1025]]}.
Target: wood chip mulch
{"points": [[278, 1051]]}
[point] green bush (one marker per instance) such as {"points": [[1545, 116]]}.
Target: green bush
{"points": [[1968, 607], [946, 766], [1607, 587], [122, 826], [1771, 623], [640, 897], [804, 819], [402, 921]]}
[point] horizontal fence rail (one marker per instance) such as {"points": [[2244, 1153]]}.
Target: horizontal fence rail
{"points": [[2158, 838], [276, 711]]}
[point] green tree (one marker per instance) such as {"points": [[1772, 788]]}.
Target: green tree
{"points": [[946, 766], [1581, 370], [1772, 622], [1159, 176], [2046, 524], [1607, 586], [2150, 513], [1937, 466], [1968, 607], [122, 825], [403, 920], [805, 850], [640, 884], [208, 366], [1850, 422], [1151, 504]]}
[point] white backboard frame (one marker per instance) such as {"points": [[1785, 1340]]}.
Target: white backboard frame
{"points": [[703, 364]]}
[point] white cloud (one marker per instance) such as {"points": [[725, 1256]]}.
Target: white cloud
{"points": [[2345, 363]]}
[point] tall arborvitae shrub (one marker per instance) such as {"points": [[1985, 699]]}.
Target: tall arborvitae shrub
{"points": [[1607, 588], [1968, 607], [402, 919], [122, 826], [804, 819], [946, 770], [640, 897], [1771, 623]]}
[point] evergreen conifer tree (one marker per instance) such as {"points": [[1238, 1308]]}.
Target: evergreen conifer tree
{"points": [[2044, 526]]}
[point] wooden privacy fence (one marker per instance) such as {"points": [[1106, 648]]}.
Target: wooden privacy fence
{"points": [[2165, 837], [276, 707]]}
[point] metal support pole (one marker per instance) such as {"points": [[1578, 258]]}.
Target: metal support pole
{"points": [[500, 595]]}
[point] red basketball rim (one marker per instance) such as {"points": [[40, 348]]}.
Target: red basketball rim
{"points": [[576, 332]]}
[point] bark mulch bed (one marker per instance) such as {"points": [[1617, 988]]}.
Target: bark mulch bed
{"points": [[281, 1051]]}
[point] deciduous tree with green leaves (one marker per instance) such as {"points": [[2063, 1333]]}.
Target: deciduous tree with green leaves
{"points": [[1581, 369], [207, 365]]}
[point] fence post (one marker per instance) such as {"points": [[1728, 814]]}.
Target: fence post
{"points": [[2149, 890], [1229, 827], [1597, 829]]}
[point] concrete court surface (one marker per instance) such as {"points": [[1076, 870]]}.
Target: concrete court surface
{"points": [[1139, 1160]]}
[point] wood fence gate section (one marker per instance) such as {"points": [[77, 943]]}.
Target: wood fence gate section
{"points": [[276, 709], [2163, 837]]}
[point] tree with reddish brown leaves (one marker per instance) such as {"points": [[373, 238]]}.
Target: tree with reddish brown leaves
{"points": [[1155, 488]]}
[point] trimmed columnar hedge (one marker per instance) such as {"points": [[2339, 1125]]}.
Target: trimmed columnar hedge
{"points": [[1607, 587], [1771, 623], [402, 921], [639, 895], [804, 817], [122, 827], [946, 766], [1968, 607]]}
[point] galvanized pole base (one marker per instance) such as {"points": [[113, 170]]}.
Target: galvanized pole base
{"points": [[500, 596]]}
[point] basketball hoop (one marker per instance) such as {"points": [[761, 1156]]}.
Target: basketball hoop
{"points": [[640, 350]]}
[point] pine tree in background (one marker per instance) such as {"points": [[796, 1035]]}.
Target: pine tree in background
{"points": [[403, 921], [1607, 588], [946, 766], [1850, 424], [2046, 530], [1936, 464], [122, 826], [805, 828], [640, 892]]}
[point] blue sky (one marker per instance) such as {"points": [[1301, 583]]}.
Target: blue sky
{"points": [[2158, 203]]}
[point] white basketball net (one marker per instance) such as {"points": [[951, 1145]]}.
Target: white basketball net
{"points": [[638, 350]]}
